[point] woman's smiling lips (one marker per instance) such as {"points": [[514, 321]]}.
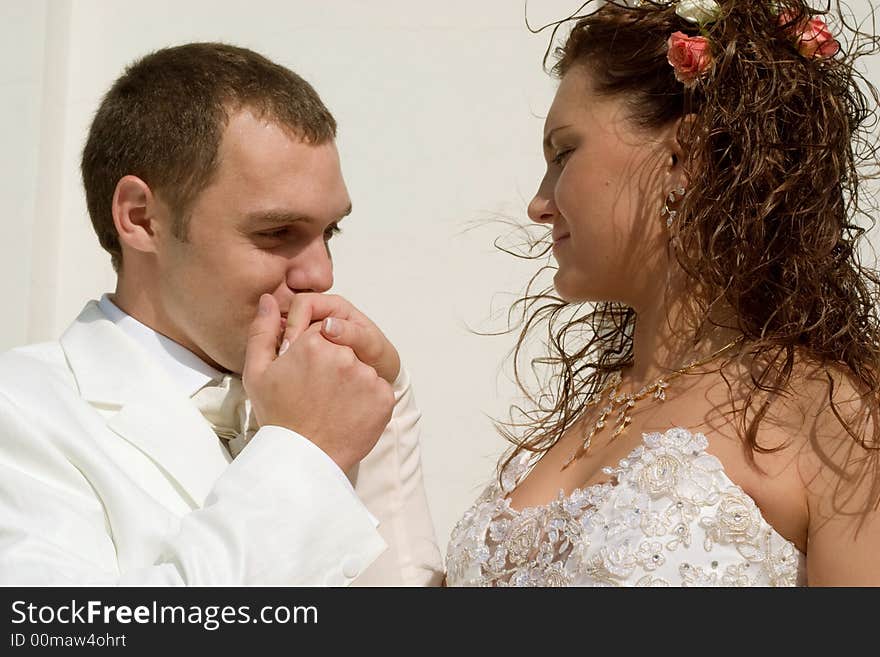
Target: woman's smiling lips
{"points": [[557, 239]]}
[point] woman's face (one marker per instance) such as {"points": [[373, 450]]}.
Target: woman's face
{"points": [[603, 191]]}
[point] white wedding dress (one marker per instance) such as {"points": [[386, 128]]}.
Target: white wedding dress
{"points": [[668, 516]]}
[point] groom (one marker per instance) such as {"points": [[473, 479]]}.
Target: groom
{"points": [[129, 453]]}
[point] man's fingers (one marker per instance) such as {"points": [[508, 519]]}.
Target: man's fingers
{"points": [[308, 308], [262, 337], [351, 335]]}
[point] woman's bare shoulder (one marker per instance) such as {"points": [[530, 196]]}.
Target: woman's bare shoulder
{"points": [[840, 447], [841, 471], [824, 411]]}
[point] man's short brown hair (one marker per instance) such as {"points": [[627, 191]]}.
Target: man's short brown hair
{"points": [[163, 120]]}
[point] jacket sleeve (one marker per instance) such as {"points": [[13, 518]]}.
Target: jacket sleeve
{"points": [[278, 515], [389, 481]]}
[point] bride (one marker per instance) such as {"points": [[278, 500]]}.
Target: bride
{"points": [[710, 418]]}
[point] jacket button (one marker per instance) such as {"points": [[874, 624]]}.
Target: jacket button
{"points": [[351, 567]]}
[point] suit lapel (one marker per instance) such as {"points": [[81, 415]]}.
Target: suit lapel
{"points": [[113, 371]]}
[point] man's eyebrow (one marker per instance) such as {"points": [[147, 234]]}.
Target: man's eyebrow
{"points": [[548, 140], [274, 217], [282, 217]]}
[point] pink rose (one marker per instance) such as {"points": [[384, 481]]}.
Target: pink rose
{"points": [[813, 38], [689, 56]]}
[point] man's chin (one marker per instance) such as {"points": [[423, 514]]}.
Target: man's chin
{"points": [[232, 364], [237, 364]]}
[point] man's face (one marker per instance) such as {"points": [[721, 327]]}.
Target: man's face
{"points": [[262, 226]]}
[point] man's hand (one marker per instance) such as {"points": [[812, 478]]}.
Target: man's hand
{"points": [[317, 388], [343, 324]]}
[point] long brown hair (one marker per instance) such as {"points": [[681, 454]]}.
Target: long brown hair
{"points": [[774, 157]]}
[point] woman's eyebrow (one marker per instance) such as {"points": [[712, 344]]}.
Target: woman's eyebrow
{"points": [[548, 139]]}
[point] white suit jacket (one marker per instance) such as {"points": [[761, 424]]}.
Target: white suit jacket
{"points": [[110, 475]]}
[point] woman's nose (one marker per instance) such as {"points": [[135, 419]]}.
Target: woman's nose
{"points": [[542, 210]]}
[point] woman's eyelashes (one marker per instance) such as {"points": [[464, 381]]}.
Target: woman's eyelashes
{"points": [[332, 229], [560, 158]]}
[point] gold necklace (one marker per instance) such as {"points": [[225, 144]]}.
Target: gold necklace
{"points": [[623, 403]]}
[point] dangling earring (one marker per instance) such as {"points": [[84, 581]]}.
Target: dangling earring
{"points": [[668, 212]]}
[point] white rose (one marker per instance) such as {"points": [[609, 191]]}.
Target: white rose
{"points": [[659, 475], [737, 518], [698, 11]]}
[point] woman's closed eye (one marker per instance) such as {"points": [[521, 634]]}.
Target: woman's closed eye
{"points": [[560, 158]]}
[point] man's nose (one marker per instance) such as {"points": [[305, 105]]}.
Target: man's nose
{"points": [[311, 270], [543, 209]]}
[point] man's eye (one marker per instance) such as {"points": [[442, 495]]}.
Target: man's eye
{"points": [[274, 234], [562, 156], [332, 229]]}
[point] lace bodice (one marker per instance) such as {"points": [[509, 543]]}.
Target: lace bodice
{"points": [[668, 516]]}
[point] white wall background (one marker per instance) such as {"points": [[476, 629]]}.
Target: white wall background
{"points": [[440, 107]]}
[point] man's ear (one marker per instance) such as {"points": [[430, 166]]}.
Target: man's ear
{"points": [[134, 214]]}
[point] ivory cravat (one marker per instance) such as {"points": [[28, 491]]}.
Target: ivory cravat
{"points": [[223, 403]]}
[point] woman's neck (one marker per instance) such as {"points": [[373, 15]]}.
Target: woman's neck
{"points": [[664, 339]]}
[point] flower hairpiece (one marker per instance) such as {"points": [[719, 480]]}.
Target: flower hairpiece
{"points": [[812, 37], [689, 56], [698, 12]]}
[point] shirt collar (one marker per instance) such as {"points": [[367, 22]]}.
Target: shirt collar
{"points": [[187, 370]]}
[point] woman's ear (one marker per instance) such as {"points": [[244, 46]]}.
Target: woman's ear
{"points": [[676, 139], [133, 214]]}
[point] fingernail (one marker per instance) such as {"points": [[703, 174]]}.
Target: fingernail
{"points": [[263, 308], [330, 328], [284, 346]]}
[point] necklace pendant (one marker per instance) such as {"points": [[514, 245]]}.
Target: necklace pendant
{"points": [[621, 427], [583, 449], [588, 440], [660, 392], [622, 403], [576, 454]]}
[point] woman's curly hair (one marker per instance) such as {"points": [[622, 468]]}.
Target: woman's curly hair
{"points": [[774, 155]]}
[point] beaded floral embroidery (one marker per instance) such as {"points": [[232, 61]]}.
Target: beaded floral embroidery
{"points": [[667, 516]]}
